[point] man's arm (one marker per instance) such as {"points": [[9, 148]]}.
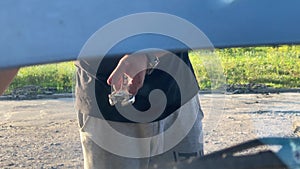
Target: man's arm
{"points": [[6, 77]]}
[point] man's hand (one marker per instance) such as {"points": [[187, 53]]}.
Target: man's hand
{"points": [[134, 66]]}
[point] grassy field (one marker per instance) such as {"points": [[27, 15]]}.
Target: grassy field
{"points": [[56, 76], [277, 67]]}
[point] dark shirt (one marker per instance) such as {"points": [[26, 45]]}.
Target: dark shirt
{"points": [[177, 90]]}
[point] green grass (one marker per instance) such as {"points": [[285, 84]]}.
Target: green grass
{"points": [[277, 67], [59, 76]]}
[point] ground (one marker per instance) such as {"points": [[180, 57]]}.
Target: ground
{"points": [[44, 133]]}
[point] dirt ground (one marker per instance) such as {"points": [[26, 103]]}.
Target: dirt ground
{"points": [[44, 133]]}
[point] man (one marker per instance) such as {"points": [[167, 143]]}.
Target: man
{"points": [[99, 143], [135, 66]]}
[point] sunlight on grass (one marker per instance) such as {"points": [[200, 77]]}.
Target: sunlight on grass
{"points": [[59, 76], [277, 67]]}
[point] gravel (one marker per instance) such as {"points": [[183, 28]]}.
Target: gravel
{"points": [[44, 133]]}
